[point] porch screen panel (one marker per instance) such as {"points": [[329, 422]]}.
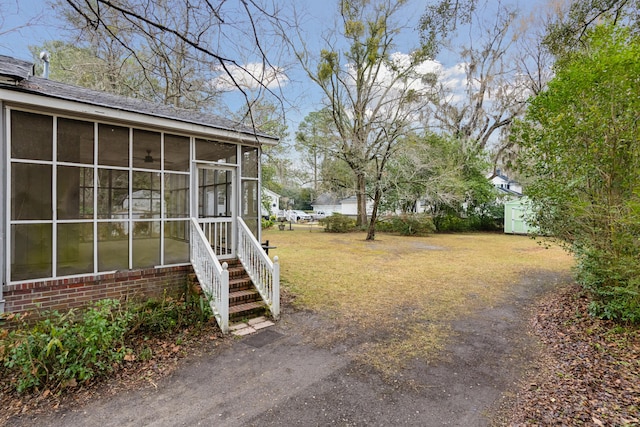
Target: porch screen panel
{"points": [[74, 248], [249, 162], [113, 245], [146, 244], [145, 198], [176, 242], [31, 136], [250, 205], [113, 145], [176, 195], [75, 141], [74, 192], [176, 153], [216, 151], [146, 149], [31, 254], [31, 197], [113, 193], [214, 193]]}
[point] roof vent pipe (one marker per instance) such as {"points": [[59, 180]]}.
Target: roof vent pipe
{"points": [[44, 55]]}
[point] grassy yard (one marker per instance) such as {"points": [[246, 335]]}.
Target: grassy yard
{"points": [[397, 295]]}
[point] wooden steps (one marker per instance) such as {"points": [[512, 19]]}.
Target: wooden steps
{"points": [[244, 300]]}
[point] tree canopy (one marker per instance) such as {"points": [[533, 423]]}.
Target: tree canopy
{"points": [[581, 147]]}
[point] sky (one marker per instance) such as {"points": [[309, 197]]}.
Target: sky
{"points": [[302, 98]]}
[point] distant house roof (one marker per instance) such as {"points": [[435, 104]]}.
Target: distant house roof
{"points": [[508, 191], [326, 199], [19, 75], [350, 199], [272, 193]]}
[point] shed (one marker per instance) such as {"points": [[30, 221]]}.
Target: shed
{"points": [[516, 212]]}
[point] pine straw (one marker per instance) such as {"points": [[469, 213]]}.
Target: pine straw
{"points": [[397, 295]]}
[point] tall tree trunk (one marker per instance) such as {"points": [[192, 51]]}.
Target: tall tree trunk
{"points": [[361, 200], [371, 232]]}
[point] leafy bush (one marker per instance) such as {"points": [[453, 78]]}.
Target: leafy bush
{"points": [[74, 347], [449, 223], [408, 224], [578, 147], [267, 223], [338, 223], [613, 282], [168, 315], [65, 348], [491, 219]]}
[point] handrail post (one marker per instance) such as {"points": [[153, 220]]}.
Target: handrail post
{"points": [[224, 298], [275, 309]]}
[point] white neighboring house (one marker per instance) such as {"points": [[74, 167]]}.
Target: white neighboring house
{"points": [[330, 204], [506, 185], [273, 201], [327, 203]]}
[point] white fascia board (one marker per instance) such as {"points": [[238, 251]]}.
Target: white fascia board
{"points": [[43, 102], [3, 204]]}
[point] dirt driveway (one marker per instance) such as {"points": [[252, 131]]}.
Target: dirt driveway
{"points": [[280, 377]]}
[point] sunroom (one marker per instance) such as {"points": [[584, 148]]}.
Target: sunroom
{"points": [[104, 196]]}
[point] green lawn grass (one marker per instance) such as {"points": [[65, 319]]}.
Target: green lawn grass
{"points": [[397, 294]]}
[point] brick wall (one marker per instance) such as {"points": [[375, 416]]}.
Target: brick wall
{"points": [[65, 293]]}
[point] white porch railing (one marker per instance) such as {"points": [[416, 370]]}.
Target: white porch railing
{"points": [[219, 233], [213, 277], [264, 273]]}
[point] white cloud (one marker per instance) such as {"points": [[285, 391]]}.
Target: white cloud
{"points": [[250, 76]]}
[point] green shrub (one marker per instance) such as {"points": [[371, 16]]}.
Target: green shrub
{"points": [[450, 223], [612, 281], [74, 347], [267, 223], [156, 317], [454, 223], [338, 223], [407, 224], [66, 348]]}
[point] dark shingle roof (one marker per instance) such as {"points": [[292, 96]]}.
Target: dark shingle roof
{"points": [[17, 69]]}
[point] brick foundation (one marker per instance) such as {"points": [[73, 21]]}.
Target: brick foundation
{"points": [[66, 293]]}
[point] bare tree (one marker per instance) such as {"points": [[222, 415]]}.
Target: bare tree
{"points": [[374, 94], [495, 90], [169, 38]]}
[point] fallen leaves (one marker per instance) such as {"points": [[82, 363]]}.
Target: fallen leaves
{"points": [[589, 371]]}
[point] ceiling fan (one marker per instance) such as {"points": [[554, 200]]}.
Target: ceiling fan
{"points": [[148, 158]]}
